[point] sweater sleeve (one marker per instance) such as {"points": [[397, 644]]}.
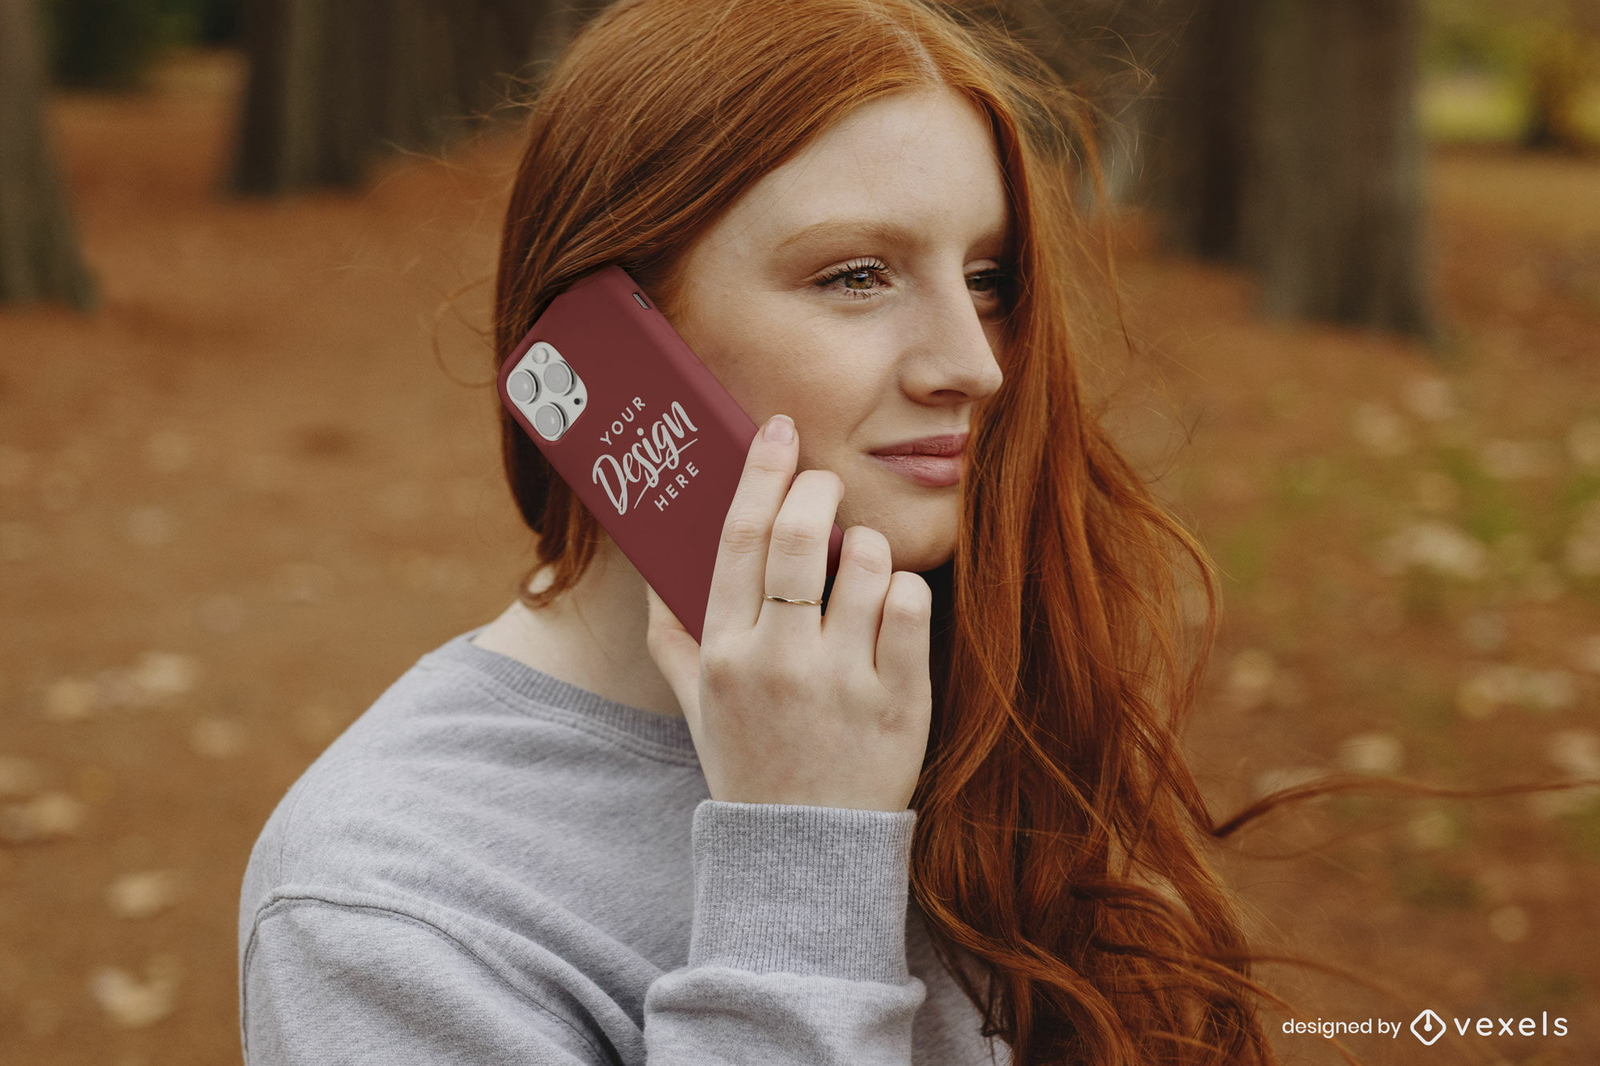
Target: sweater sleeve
{"points": [[330, 983], [797, 955], [798, 950]]}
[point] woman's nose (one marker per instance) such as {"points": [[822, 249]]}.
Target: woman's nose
{"points": [[953, 354]]}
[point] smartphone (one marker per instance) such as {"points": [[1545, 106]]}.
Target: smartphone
{"points": [[640, 429]]}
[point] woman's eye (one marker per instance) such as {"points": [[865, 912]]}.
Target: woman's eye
{"points": [[860, 280], [992, 293], [869, 278], [988, 282]]}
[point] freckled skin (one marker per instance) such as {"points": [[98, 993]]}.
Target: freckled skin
{"points": [[860, 372]]}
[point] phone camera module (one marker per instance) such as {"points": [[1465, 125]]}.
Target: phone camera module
{"points": [[549, 421], [522, 386], [547, 393], [558, 378]]}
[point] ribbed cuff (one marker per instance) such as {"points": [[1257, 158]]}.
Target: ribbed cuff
{"points": [[806, 890]]}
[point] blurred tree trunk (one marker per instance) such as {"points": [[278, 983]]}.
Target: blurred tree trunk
{"points": [[1555, 77], [334, 85], [1287, 139], [1336, 218], [1200, 126], [1105, 51], [39, 257]]}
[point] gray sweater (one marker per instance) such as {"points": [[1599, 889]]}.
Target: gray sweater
{"points": [[494, 866]]}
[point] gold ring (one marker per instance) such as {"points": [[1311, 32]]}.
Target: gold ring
{"points": [[785, 599]]}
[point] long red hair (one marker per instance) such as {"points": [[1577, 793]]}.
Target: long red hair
{"points": [[1057, 852]]}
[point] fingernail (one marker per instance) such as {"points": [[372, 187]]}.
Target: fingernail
{"points": [[779, 427]]}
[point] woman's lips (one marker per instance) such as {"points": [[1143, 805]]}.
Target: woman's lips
{"points": [[932, 471]]}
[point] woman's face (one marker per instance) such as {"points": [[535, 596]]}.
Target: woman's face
{"points": [[854, 288]]}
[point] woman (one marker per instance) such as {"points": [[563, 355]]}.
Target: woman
{"points": [[947, 819]]}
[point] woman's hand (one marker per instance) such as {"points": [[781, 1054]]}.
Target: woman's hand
{"points": [[786, 706]]}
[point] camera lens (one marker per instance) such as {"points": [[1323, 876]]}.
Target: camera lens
{"points": [[558, 378], [522, 386], [549, 421]]}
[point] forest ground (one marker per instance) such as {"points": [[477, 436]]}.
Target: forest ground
{"points": [[244, 496]]}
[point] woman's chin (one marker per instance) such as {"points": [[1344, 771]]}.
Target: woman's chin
{"points": [[920, 524], [917, 552]]}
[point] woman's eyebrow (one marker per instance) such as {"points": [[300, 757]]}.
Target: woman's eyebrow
{"points": [[870, 228], [833, 228]]}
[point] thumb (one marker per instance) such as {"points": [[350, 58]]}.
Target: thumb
{"points": [[676, 653]]}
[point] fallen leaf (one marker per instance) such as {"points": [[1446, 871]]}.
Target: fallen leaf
{"points": [[1370, 753], [1274, 780], [134, 1004], [1509, 923], [168, 452], [161, 673], [70, 699], [1379, 430], [149, 526], [145, 894], [48, 816], [217, 738], [1250, 678]]}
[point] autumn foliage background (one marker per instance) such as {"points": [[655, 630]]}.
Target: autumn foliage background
{"points": [[250, 486]]}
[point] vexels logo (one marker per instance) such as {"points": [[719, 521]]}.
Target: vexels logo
{"points": [[1427, 1026]]}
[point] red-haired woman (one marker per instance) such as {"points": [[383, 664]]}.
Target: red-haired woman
{"points": [[945, 820]]}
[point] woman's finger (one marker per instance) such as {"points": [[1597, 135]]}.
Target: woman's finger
{"points": [[904, 637], [797, 560], [738, 577], [855, 608]]}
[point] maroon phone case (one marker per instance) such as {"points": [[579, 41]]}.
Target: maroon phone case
{"points": [[658, 446]]}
